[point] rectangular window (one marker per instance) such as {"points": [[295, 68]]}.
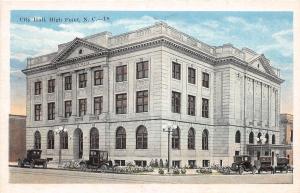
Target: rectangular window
{"points": [[120, 162], [82, 80], [51, 86], [205, 79], [141, 163], [191, 105], [37, 88], [51, 111], [121, 73], [191, 75], [98, 77], [68, 109], [205, 108], [121, 103], [98, 103], [205, 163], [176, 163], [142, 101], [82, 107], [142, 70], [237, 153], [176, 70], [37, 112], [176, 102], [68, 83], [192, 164]]}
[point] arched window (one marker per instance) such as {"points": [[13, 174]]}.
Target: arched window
{"points": [[273, 139], [191, 138], [64, 140], [50, 140], [251, 138], [259, 137], [141, 138], [267, 138], [238, 137], [94, 138], [120, 138], [205, 140], [37, 140], [176, 139]]}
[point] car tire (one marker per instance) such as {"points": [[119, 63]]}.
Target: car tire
{"points": [[241, 170], [104, 167]]}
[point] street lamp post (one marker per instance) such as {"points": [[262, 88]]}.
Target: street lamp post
{"points": [[60, 130], [169, 129]]}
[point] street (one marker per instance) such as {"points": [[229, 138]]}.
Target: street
{"points": [[50, 176]]}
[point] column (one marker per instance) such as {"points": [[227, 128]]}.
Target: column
{"points": [[89, 85], [59, 95], [74, 93]]}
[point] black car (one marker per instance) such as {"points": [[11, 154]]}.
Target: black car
{"points": [[264, 163], [97, 160], [282, 164], [32, 159], [242, 163]]}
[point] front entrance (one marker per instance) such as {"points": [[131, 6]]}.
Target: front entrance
{"points": [[78, 144]]}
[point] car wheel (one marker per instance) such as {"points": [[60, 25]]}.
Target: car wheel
{"points": [[45, 165], [241, 170], [83, 166], [32, 164], [104, 167]]}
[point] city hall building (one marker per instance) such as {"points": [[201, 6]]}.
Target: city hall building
{"points": [[117, 93]]}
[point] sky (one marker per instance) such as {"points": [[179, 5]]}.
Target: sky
{"points": [[270, 33]]}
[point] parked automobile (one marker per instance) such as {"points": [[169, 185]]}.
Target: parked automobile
{"points": [[264, 163], [282, 164], [97, 160], [32, 159], [242, 163]]}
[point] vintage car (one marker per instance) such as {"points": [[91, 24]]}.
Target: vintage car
{"points": [[282, 164], [97, 160], [264, 163], [242, 163], [32, 159]]}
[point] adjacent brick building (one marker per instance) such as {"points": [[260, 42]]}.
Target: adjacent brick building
{"points": [[17, 137], [286, 134]]}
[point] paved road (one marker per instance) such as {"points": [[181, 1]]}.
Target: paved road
{"points": [[27, 175]]}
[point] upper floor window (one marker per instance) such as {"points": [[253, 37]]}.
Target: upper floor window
{"points": [[121, 103], [176, 139], [191, 105], [205, 108], [238, 137], [273, 139], [50, 140], [176, 70], [191, 138], [142, 70], [37, 140], [176, 100], [142, 101], [191, 75], [68, 83], [37, 88], [82, 107], [121, 73], [251, 138], [98, 77], [205, 140], [205, 79], [267, 138], [94, 138], [141, 138], [98, 103], [37, 112], [51, 111], [68, 109], [51, 86], [82, 80]]}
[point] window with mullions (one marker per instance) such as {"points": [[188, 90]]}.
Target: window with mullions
{"points": [[82, 107], [205, 79], [37, 140], [142, 70], [205, 107], [68, 109], [238, 137], [64, 140], [191, 75], [120, 138], [68, 83], [121, 103], [142, 101], [191, 138], [205, 140], [141, 138], [176, 74], [98, 77], [191, 105], [176, 139], [37, 112], [37, 88], [82, 80], [51, 86], [94, 138], [273, 139], [251, 138], [176, 100], [51, 111], [50, 140], [98, 103], [121, 73]]}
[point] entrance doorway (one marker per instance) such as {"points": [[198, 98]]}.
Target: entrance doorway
{"points": [[78, 144]]}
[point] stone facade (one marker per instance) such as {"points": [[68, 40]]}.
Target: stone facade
{"points": [[243, 95], [286, 134]]}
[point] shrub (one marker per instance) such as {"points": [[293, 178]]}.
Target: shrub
{"points": [[161, 171], [183, 171], [176, 171]]}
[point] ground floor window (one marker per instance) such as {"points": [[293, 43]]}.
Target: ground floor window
{"points": [[237, 153], [120, 162], [192, 163], [142, 163], [205, 163], [176, 163], [266, 153]]}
